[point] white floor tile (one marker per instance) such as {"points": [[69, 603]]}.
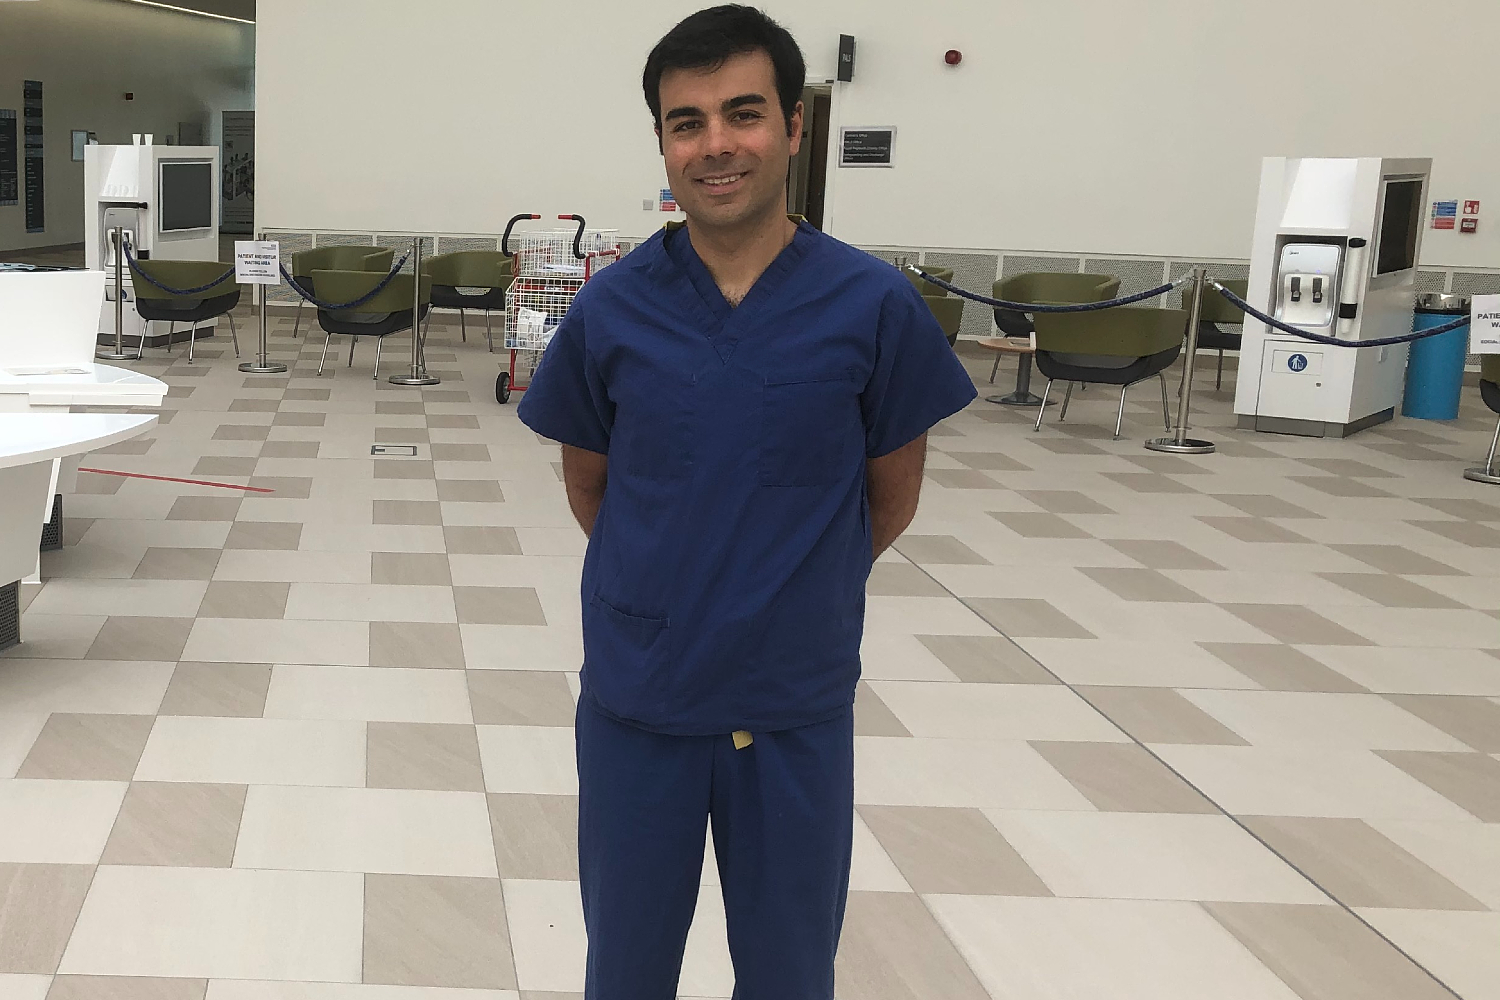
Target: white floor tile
{"points": [[995, 712], [246, 640], [1307, 718], [255, 752], [368, 694], [1458, 948], [903, 771], [219, 923], [539, 760], [390, 831], [57, 822]]}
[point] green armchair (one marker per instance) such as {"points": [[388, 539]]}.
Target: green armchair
{"points": [[153, 303], [388, 312], [341, 258]]}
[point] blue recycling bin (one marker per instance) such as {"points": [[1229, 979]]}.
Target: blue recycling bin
{"points": [[1435, 368]]}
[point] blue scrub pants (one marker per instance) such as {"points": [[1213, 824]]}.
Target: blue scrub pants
{"points": [[783, 814]]}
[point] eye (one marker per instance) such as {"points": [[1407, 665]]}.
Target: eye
{"points": [[684, 126], [745, 116]]}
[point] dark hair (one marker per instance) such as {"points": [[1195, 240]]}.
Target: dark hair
{"points": [[706, 39]]}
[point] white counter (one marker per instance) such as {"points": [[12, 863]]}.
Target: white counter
{"points": [[67, 386]]}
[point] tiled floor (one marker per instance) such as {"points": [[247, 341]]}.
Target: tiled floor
{"points": [[1134, 726]]}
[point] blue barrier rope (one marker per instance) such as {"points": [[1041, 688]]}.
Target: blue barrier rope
{"points": [[1037, 307], [1319, 338], [135, 268], [335, 306]]}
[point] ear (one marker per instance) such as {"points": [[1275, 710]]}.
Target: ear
{"points": [[659, 147], [794, 128]]}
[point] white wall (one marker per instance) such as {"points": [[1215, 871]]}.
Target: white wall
{"points": [[88, 54], [1084, 126]]}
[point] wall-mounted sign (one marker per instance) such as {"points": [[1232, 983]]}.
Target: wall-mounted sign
{"points": [[1471, 208], [237, 159], [667, 202], [1484, 327], [1469, 226], [31, 117], [866, 147], [10, 163]]}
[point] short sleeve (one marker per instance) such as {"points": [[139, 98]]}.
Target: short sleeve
{"points": [[567, 400], [917, 381]]}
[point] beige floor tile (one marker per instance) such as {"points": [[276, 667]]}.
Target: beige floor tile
{"points": [[522, 647], [1065, 502], [1253, 529], [56, 822], [1028, 617], [176, 824], [893, 949], [433, 756], [1260, 505], [1467, 854], [177, 564], [1159, 662], [273, 535], [1144, 856], [1030, 524], [538, 760], [438, 932], [1391, 591], [290, 449], [886, 653], [1299, 718], [481, 540], [407, 512], [1159, 715], [219, 923], [367, 694], [1076, 949], [255, 751], [990, 460], [1325, 953], [1463, 532], [872, 717], [218, 689], [1162, 554], [1297, 625], [995, 711], [520, 698], [1414, 671], [1280, 667], [126, 988], [902, 580], [469, 491], [24, 987], [536, 836], [38, 907], [225, 465], [392, 831], [1123, 777], [209, 508], [233, 640], [1142, 585], [1358, 865], [498, 606], [81, 747], [938, 549], [428, 569], [1473, 721], [1430, 628], [959, 773], [41, 687], [1470, 780], [238, 599], [1307, 781], [962, 479], [951, 850], [989, 659], [1397, 559], [417, 644]]}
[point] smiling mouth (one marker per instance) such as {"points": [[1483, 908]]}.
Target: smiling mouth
{"points": [[721, 182]]}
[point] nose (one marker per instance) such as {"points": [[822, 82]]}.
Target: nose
{"points": [[718, 139]]}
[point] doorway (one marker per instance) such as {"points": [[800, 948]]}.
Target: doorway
{"points": [[807, 180]]}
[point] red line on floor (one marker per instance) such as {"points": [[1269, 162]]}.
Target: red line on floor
{"points": [[174, 479]]}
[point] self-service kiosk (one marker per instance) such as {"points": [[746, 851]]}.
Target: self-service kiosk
{"points": [[1335, 253], [166, 199]]}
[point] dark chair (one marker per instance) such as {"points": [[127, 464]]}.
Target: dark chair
{"points": [[388, 312], [1111, 347], [1217, 311], [486, 274], [1489, 391], [155, 304], [1041, 288], [354, 258]]}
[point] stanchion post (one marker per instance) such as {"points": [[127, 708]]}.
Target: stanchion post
{"points": [[117, 240], [419, 375], [262, 365], [1179, 443]]}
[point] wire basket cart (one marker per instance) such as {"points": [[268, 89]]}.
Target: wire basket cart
{"points": [[551, 266]]}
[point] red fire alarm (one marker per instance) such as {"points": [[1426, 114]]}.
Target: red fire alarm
{"points": [[1468, 226], [953, 57], [129, 96]]}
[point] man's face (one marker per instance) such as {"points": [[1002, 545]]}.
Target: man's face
{"points": [[725, 141]]}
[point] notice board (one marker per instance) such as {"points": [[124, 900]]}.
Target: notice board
{"points": [[866, 147], [10, 163], [31, 119]]}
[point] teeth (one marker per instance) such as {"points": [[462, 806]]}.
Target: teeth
{"points": [[718, 181]]}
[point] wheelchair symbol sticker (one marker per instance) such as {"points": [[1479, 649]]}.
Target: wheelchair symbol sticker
{"points": [[1297, 362]]}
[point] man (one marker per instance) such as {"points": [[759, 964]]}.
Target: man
{"points": [[742, 406]]}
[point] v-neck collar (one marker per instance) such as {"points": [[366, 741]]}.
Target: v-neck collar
{"points": [[725, 322]]}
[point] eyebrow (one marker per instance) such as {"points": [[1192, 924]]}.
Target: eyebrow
{"points": [[689, 111]]}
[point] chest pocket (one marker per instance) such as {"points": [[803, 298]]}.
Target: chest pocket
{"points": [[810, 429]]}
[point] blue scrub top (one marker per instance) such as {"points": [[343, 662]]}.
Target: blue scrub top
{"points": [[724, 583]]}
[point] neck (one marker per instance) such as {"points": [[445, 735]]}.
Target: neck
{"points": [[737, 257]]}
